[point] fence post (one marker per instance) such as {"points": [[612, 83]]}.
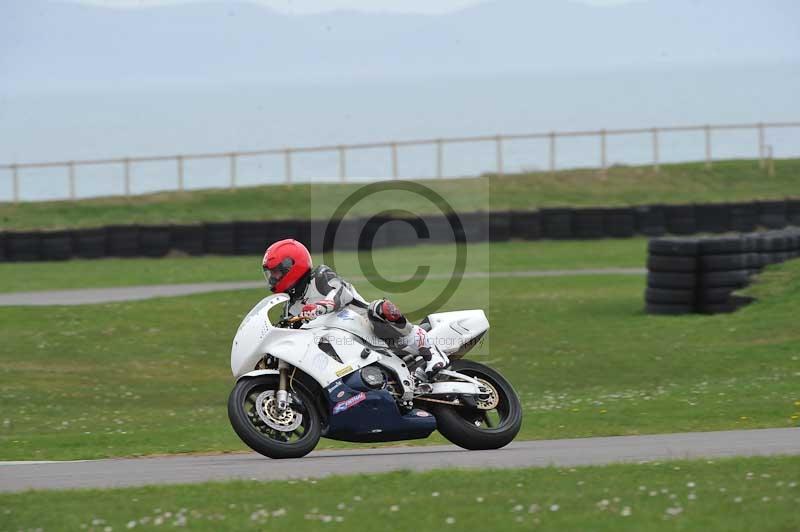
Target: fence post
{"points": [[342, 165], [603, 161], [708, 147], [15, 179], [499, 153], [552, 151], [439, 158], [233, 170], [287, 165], [655, 150], [761, 145], [394, 161], [770, 162], [127, 177], [179, 160], [71, 168]]}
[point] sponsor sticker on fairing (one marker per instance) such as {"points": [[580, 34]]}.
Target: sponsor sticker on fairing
{"points": [[341, 406], [344, 371], [345, 314], [421, 413]]}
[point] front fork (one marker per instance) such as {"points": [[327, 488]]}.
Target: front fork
{"points": [[283, 395]]}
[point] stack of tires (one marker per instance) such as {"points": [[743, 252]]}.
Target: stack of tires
{"points": [[702, 275], [672, 276], [726, 265]]}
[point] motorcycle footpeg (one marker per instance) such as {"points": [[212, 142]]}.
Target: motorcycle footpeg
{"points": [[424, 388], [414, 362]]}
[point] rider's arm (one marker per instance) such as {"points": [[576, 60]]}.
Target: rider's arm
{"points": [[336, 292], [336, 298]]}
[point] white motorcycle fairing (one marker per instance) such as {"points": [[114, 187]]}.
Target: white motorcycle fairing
{"points": [[350, 336], [455, 333], [257, 337]]}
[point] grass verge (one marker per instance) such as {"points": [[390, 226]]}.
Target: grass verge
{"points": [[736, 180], [727, 495], [152, 376]]}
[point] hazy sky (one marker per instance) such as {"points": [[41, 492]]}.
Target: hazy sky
{"points": [[316, 6]]}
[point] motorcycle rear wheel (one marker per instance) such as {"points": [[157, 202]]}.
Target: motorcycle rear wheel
{"points": [[471, 428], [258, 435]]}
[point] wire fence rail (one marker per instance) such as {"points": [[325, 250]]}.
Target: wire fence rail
{"points": [[233, 157]]}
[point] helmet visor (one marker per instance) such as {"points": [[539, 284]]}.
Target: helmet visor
{"points": [[274, 275]]}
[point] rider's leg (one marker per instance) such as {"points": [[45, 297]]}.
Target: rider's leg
{"points": [[390, 325], [433, 356]]}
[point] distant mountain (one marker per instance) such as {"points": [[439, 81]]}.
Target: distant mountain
{"points": [[51, 44]]}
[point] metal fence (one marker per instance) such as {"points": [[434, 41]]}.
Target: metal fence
{"points": [[394, 148]]}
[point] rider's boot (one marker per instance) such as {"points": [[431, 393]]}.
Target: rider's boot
{"points": [[435, 361]]}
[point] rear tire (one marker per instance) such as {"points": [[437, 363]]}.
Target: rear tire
{"points": [[458, 424], [261, 438]]}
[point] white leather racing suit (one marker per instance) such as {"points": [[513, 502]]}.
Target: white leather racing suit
{"points": [[322, 286]]}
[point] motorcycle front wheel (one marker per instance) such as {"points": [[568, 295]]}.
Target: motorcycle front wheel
{"points": [[493, 423], [253, 413]]}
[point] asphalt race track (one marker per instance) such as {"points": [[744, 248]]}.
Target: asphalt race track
{"points": [[87, 296], [18, 476]]}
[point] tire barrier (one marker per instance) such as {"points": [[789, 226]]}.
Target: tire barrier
{"points": [[588, 223], [701, 275], [23, 247], [220, 238], [526, 225], [744, 217], [154, 240], [680, 219], [438, 231], [89, 243], [793, 212], [671, 276], [251, 238], [772, 214], [188, 239], [56, 245], [122, 241], [650, 220], [619, 223], [499, 226], [557, 223], [713, 218], [476, 226]]}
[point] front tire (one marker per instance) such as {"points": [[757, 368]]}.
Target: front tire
{"points": [[473, 428], [250, 422]]}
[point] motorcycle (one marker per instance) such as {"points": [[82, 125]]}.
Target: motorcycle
{"points": [[299, 380]]}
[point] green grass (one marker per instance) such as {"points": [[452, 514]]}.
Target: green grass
{"points": [[394, 262], [737, 180], [726, 495], [152, 376]]}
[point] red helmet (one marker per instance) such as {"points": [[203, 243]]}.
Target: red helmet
{"points": [[285, 263]]}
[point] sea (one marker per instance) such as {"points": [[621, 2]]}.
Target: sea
{"points": [[94, 122]]}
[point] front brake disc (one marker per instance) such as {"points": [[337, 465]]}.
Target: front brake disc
{"points": [[267, 410]]}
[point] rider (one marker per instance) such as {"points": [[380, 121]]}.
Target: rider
{"points": [[318, 291]]}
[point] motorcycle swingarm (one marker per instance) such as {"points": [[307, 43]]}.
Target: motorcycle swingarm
{"points": [[464, 386], [456, 388]]}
